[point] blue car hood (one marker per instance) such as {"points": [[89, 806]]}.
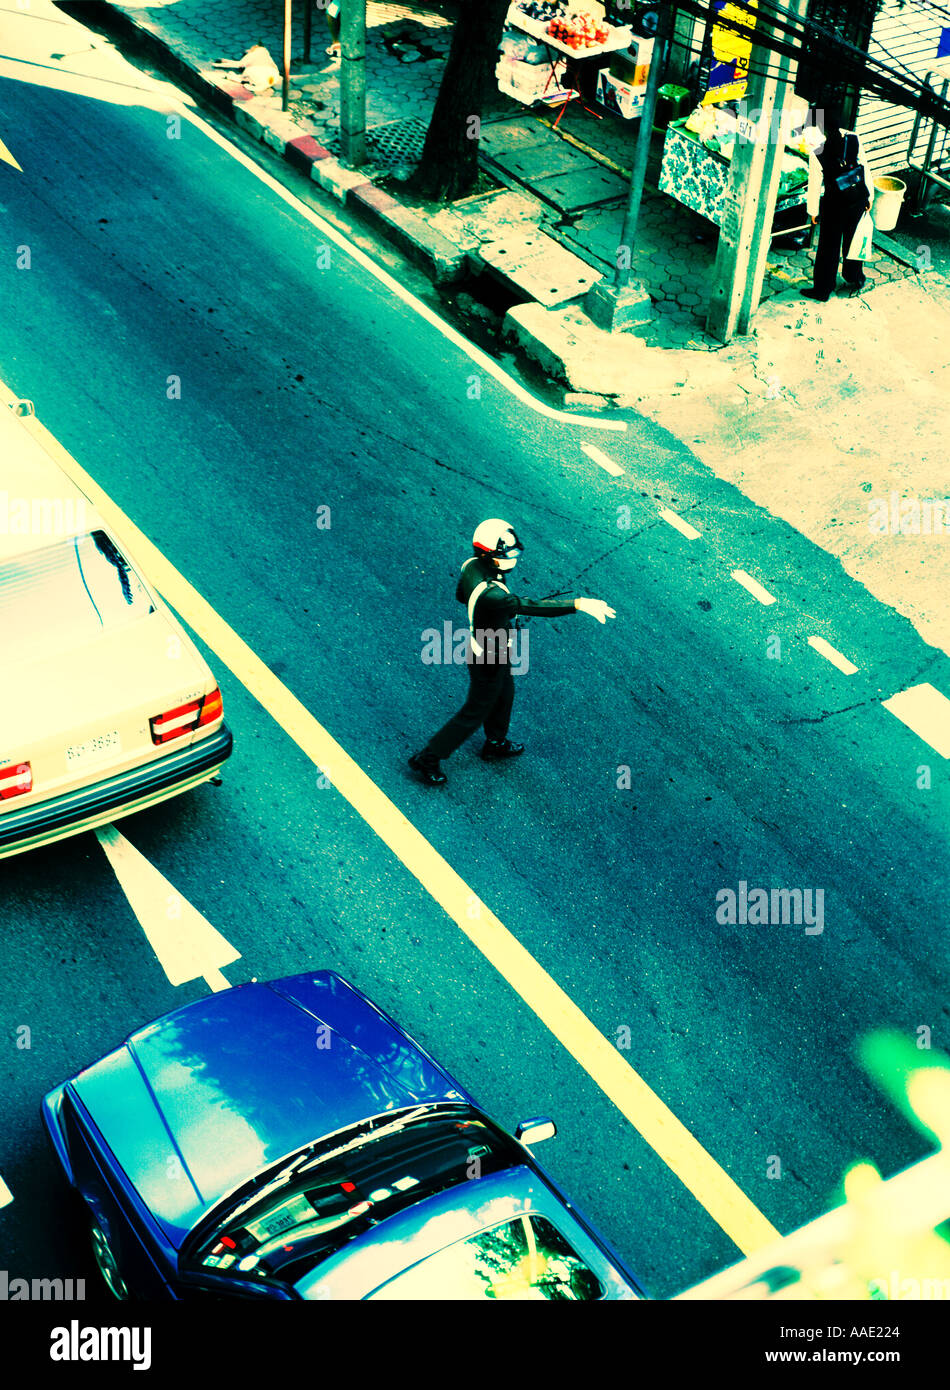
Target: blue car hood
{"points": [[201, 1100]]}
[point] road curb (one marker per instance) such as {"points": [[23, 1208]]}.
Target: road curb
{"points": [[443, 260], [564, 342], [439, 257], [589, 365]]}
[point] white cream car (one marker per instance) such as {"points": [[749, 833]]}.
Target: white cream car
{"points": [[106, 707]]}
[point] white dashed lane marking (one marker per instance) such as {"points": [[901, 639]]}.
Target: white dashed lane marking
{"points": [[680, 525], [826, 650], [601, 459], [927, 712], [753, 586]]}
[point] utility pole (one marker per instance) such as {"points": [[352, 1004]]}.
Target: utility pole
{"points": [[625, 302], [288, 27], [353, 82], [754, 172]]}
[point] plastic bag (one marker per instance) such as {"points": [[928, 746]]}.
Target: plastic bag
{"points": [[860, 248]]}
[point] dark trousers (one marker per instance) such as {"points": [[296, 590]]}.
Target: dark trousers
{"points": [[836, 227], [491, 693]]}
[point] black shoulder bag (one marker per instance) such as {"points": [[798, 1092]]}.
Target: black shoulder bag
{"points": [[852, 189]]}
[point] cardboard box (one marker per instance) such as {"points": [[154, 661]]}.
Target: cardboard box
{"points": [[633, 65], [620, 97]]}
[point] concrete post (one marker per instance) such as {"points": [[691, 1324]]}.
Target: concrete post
{"points": [[625, 302], [353, 82], [755, 169], [288, 28]]}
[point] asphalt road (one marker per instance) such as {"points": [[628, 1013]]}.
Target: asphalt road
{"points": [[305, 384]]}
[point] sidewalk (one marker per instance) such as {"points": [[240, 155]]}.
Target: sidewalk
{"points": [[822, 409]]}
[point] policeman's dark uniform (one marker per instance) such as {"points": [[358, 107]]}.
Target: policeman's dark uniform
{"points": [[491, 689]]}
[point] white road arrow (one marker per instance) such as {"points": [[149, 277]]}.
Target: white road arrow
{"points": [[188, 947], [7, 157], [6, 1196]]}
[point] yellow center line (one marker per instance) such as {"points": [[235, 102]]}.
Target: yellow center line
{"points": [[712, 1187]]}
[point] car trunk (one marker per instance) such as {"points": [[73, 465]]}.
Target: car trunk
{"points": [[82, 715]]}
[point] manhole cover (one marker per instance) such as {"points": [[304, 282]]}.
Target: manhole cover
{"points": [[397, 142]]}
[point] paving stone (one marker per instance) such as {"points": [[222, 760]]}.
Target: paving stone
{"points": [[543, 161], [587, 187]]}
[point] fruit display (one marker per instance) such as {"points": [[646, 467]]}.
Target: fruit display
{"points": [[579, 29], [542, 12]]}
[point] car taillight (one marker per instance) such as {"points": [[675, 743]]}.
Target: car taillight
{"points": [[15, 780], [212, 708], [184, 719]]}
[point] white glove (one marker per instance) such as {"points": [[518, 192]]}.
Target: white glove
{"points": [[596, 608]]}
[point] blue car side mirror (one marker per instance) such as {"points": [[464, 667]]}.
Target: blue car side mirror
{"points": [[533, 1131]]}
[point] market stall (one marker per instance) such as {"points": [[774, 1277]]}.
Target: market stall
{"points": [[551, 52], [695, 168]]}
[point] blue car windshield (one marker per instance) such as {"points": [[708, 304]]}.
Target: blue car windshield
{"points": [[316, 1204]]}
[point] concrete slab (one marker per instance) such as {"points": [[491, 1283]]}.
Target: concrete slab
{"points": [[554, 156], [519, 134], [540, 268], [585, 188], [597, 234], [491, 217]]}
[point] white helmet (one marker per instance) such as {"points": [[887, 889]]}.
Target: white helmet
{"points": [[497, 538]]}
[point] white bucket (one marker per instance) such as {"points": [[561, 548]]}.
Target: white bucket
{"points": [[888, 196]]}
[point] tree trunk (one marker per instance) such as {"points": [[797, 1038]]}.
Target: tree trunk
{"points": [[449, 165]]}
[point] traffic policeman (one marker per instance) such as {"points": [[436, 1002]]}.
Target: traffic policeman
{"points": [[492, 609]]}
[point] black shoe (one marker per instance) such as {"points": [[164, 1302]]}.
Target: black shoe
{"points": [[856, 286], [501, 748], [813, 294], [428, 769]]}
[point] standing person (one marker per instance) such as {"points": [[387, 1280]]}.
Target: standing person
{"points": [[839, 193], [332, 9], [491, 611]]}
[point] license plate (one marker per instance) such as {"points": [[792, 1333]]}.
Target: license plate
{"points": [[94, 750]]}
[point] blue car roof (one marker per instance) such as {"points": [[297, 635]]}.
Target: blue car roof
{"points": [[202, 1099]]}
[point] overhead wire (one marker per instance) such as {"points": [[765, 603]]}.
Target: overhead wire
{"points": [[851, 62]]}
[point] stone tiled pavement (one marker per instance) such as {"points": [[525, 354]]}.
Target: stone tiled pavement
{"points": [[675, 248], [205, 30]]}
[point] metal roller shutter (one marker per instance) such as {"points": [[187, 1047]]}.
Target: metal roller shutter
{"points": [[907, 34]]}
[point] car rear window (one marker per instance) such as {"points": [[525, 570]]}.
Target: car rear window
{"points": [[526, 1258], [66, 594]]}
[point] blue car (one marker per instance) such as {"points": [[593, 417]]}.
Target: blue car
{"points": [[288, 1140]]}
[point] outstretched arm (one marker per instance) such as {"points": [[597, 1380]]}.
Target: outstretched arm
{"points": [[596, 607]]}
